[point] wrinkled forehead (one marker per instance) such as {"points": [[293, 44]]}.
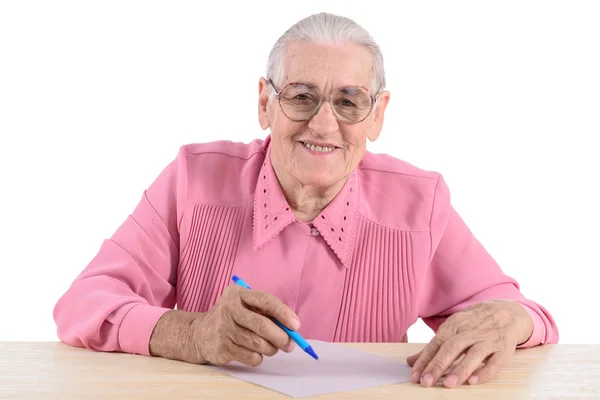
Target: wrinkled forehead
{"points": [[327, 66]]}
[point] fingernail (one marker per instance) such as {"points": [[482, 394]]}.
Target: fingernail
{"points": [[427, 380], [295, 324], [473, 380], [414, 377], [290, 347], [450, 381]]}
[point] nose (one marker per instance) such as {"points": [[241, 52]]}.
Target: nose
{"points": [[324, 121]]}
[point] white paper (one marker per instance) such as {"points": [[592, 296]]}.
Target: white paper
{"points": [[338, 369]]}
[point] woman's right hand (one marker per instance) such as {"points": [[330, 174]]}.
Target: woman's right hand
{"points": [[236, 328]]}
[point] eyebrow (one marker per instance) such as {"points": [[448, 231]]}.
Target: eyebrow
{"points": [[301, 83], [305, 83]]}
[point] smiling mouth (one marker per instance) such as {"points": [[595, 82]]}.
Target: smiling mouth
{"points": [[320, 149]]}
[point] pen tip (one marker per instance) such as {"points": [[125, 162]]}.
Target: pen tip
{"points": [[310, 351]]}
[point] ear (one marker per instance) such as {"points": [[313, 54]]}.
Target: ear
{"points": [[263, 102], [377, 122]]}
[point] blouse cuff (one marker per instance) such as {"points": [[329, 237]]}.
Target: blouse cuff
{"points": [[137, 327], [539, 330]]}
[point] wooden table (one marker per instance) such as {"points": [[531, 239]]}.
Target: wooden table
{"points": [[50, 370]]}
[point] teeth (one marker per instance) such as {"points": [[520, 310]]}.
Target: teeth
{"points": [[322, 149]]}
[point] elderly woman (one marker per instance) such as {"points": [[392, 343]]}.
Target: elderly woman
{"points": [[338, 243]]}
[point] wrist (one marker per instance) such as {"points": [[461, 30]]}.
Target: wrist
{"points": [[172, 336], [525, 324]]}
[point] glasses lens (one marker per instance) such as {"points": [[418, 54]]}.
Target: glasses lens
{"points": [[352, 104], [299, 101]]}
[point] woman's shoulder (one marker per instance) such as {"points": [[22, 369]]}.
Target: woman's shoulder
{"points": [[385, 164], [398, 194], [227, 149], [220, 172]]}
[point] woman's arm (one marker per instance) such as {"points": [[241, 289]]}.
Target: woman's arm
{"points": [[462, 273], [114, 304]]}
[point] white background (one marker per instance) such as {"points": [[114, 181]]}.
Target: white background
{"points": [[502, 98]]}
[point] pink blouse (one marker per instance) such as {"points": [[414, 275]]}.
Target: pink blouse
{"points": [[389, 249]]}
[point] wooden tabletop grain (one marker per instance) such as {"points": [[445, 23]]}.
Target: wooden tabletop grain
{"points": [[54, 370]]}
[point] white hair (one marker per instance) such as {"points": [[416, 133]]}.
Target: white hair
{"points": [[325, 28]]}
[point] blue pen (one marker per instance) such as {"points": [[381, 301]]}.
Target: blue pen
{"points": [[293, 334]]}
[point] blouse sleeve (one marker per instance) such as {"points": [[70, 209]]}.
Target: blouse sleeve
{"points": [[115, 302]]}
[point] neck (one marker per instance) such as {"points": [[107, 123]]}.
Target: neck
{"points": [[306, 201]]}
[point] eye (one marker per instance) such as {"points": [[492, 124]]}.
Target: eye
{"points": [[346, 103], [301, 97]]}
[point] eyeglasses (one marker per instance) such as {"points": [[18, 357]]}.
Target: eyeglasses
{"points": [[300, 102]]}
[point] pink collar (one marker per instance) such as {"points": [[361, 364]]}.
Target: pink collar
{"points": [[336, 223]]}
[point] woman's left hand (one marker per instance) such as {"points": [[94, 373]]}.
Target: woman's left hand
{"points": [[487, 332]]}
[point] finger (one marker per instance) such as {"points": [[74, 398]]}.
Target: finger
{"points": [[250, 340], [271, 306], [410, 360], [232, 352], [449, 351], [471, 361], [424, 357], [445, 331], [263, 327], [245, 356], [490, 369], [454, 364]]}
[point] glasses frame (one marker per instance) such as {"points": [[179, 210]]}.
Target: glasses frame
{"points": [[321, 101]]}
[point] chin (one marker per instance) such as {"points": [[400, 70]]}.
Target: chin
{"points": [[320, 179]]}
